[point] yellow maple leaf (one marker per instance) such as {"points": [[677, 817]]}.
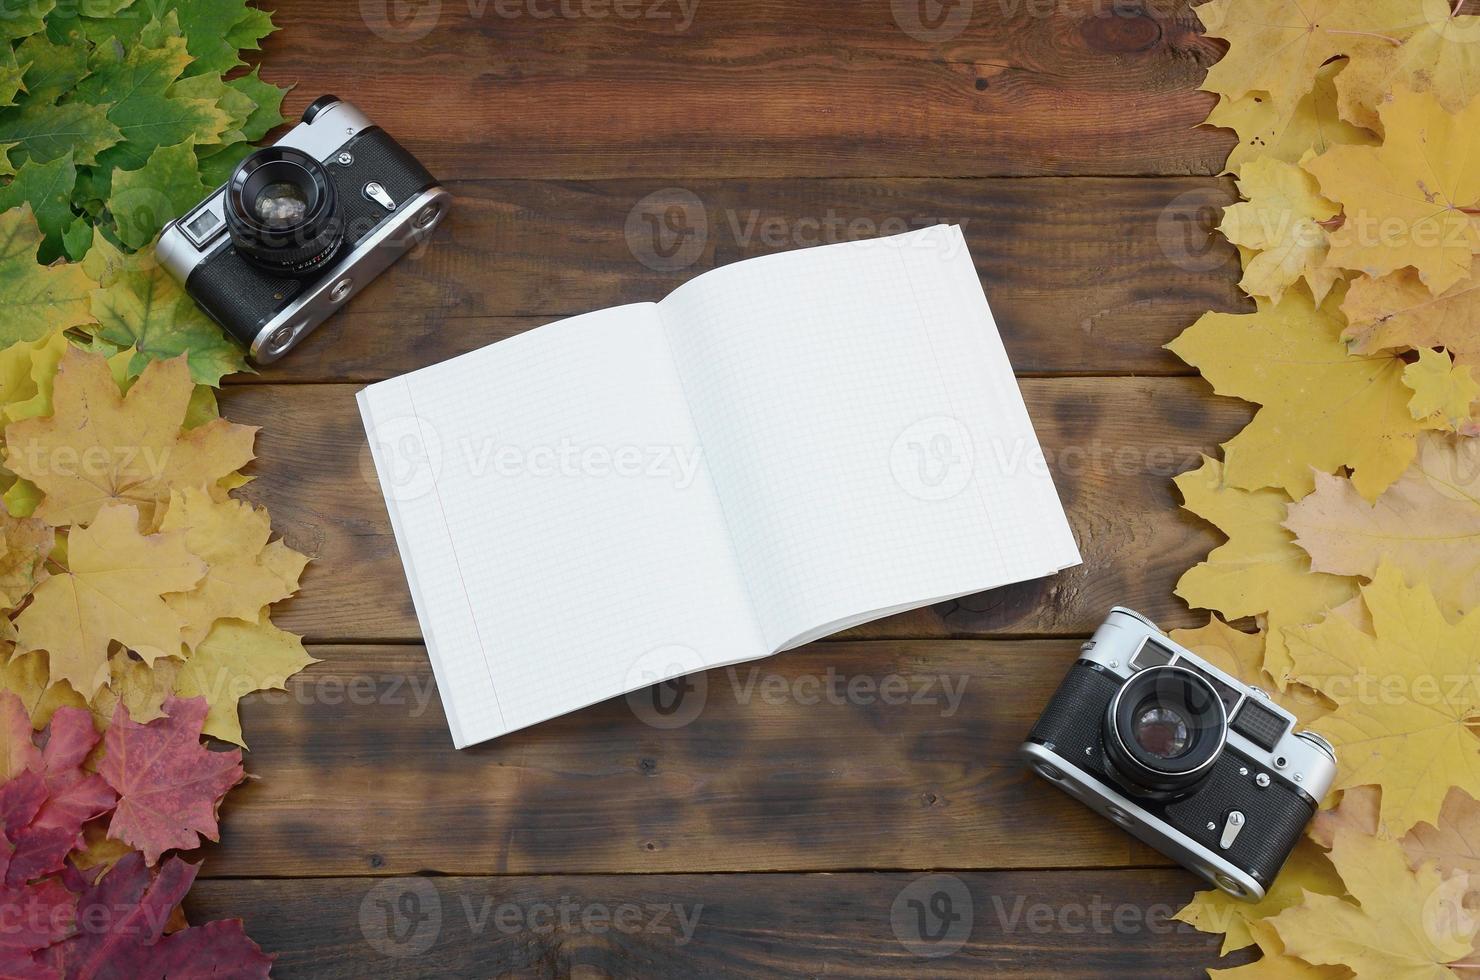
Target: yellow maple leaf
{"points": [[235, 660], [1280, 218], [112, 589], [1440, 56], [1264, 131], [29, 678], [1276, 964], [1306, 870], [25, 544], [1426, 525], [1410, 201], [1399, 925], [142, 687], [1397, 311], [1404, 697], [1259, 571], [1322, 408], [1242, 655], [1277, 46], [1442, 390], [100, 446], [246, 572], [37, 299]]}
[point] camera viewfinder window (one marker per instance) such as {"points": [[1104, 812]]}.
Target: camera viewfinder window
{"points": [[201, 227], [1151, 654]]}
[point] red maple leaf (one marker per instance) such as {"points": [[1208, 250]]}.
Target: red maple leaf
{"points": [[169, 785], [121, 921]]}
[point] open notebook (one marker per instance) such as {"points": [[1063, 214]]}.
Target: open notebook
{"points": [[781, 448]]}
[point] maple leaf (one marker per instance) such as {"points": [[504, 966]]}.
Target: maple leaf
{"points": [[38, 300], [112, 590], [25, 544], [128, 910], [1403, 697], [246, 572], [1275, 964], [235, 660], [1306, 870], [141, 306], [1242, 655], [18, 751], [1395, 929], [1280, 218], [1277, 46], [137, 685], [165, 187], [169, 785], [1442, 390], [1426, 525], [28, 677], [1322, 409], [1260, 571], [1266, 132], [1440, 56], [47, 188], [1398, 311], [101, 446], [1410, 201]]}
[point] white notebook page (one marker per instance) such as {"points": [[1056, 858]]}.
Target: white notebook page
{"points": [[865, 431], [543, 586]]}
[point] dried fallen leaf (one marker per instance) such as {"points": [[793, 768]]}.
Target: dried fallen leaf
{"points": [[1306, 871], [1426, 525], [169, 785], [1404, 698], [112, 589], [1259, 571], [28, 677], [1321, 408], [1398, 312], [1242, 655], [25, 544], [1280, 218], [1442, 390], [1406, 202], [1440, 57], [235, 660], [38, 300], [103, 447]]}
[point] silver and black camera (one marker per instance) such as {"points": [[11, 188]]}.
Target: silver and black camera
{"points": [[301, 227], [1199, 765]]}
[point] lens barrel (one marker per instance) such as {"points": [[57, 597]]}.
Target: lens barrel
{"points": [[1163, 730], [281, 211]]}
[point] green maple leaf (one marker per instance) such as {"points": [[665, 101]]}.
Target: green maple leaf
{"points": [[37, 299], [43, 132], [143, 200], [11, 74], [22, 18], [47, 187], [52, 70], [268, 99], [236, 104], [143, 307], [217, 31]]}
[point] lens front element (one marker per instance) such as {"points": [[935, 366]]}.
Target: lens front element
{"points": [[281, 211], [1163, 731]]}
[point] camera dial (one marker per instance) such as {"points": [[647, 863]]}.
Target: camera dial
{"points": [[1163, 730], [281, 211]]}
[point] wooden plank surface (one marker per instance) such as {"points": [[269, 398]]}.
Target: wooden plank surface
{"points": [[840, 755], [1088, 924], [1113, 445], [1084, 276], [538, 88]]}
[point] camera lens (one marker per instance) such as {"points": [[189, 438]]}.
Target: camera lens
{"points": [[281, 211], [1163, 731]]}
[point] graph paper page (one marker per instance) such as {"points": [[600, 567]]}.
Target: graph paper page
{"points": [[558, 524], [866, 434]]}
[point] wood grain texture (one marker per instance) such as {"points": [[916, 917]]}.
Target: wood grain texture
{"points": [[1088, 924], [1084, 276], [551, 88], [1113, 445], [876, 754]]}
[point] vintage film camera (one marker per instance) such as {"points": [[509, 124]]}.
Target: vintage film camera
{"points": [[301, 227], [1195, 763]]}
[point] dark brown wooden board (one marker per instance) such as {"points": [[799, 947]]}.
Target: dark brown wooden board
{"points": [[1113, 445], [840, 755], [1031, 925], [1084, 276], [769, 88]]}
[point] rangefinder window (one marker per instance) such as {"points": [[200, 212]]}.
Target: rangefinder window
{"points": [[1151, 654]]}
